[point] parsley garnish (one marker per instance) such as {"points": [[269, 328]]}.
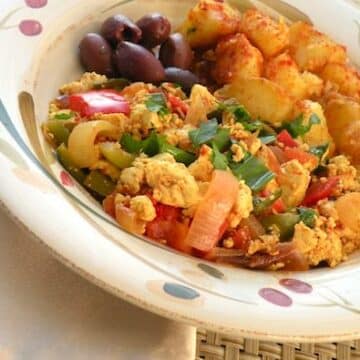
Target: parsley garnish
{"points": [[307, 216], [204, 133], [218, 159], [297, 128], [64, 116], [157, 103]]}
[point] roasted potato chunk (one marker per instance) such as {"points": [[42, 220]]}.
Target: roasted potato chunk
{"points": [[345, 77], [312, 50], [261, 97], [269, 36], [319, 133], [314, 85], [343, 118], [208, 21], [284, 71], [236, 58]]}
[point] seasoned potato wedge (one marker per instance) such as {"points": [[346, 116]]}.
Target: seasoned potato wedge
{"points": [[345, 77], [208, 21], [314, 85], [236, 58], [319, 133], [311, 49], [283, 70], [262, 98], [269, 36], [343, 118], [347, 207]]}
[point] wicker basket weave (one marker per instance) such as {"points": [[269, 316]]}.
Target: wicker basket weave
{"points": [[213, 346]]}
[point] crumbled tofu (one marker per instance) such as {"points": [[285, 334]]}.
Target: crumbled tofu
{"points": [[107, 169], [132, 178], [86, 83], [121, 199], [243, 205], [327, 208], [179, 137], [238, 132], [202, 168], [340, 166], [143, 120], [172, 183], [266, 243], [253, 144], [318, 245], [238, 152], [143, 207], [294, 180]]}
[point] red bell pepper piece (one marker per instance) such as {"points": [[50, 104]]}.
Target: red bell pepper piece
{"points": [[98, 101], [319, 191], [177, 105], [285, 138]]}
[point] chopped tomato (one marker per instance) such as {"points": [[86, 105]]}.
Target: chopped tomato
{"points": [[109, 205], [177, 105], [278, 206], [319, 190], [173, 232], [98, 101], [166, 212], [212, 211], [271, 160], [285, 138], [241, 238], [302, 156]]}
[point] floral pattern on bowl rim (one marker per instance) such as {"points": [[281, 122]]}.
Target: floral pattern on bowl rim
{"points": [[324, 304]]}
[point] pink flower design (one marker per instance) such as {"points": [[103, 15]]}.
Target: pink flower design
{"points": [[36, 4], [66, 179], [275, 297], [30, 27]]}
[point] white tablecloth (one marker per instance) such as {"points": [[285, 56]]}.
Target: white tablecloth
{"points": [[47, 313]]}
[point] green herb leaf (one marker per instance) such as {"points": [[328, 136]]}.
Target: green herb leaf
{"points": [[219, 160], [180, 155], [307, 216], [222, 139], [320, 150], [157, 103], [130, 144], [297, 128], [253, 171], [64, 116], [261, 204], [205, 133], [151, 146]]}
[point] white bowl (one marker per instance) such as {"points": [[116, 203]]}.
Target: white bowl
{"points": [[320, 305]]}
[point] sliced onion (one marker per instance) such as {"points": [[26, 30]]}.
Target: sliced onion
{"points": [[128, 220]]}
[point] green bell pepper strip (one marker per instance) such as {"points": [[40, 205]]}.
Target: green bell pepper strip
{"points": [[99, 183], [66, 161], [260, 204], [285, 223], [180, 155], [58, 130], [115, 155]]}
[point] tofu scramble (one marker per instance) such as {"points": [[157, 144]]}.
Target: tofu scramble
{"points": [[237, 144]]}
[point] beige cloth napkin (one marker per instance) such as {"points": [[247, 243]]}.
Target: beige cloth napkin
{"points": [[48, 313]]}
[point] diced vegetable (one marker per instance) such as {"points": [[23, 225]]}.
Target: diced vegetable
{"points": [[285, 223], [218, 159], [128, 220], [307, 216], [81, 143], [177, 105], [253, 171], [241, 238], [213, 210], [117, 156], [222, 139], [109, 205], [98, 101], [157, 103], [99, 183], [59, 131], [64, 115], [320, 150], [154, 145], [319, 190], [261, 204], [66, 161], [285, 138], [267, 139], [302, 156], [297, 128]]}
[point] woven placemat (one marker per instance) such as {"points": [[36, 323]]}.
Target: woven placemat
{"points": [[213, 346]]}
